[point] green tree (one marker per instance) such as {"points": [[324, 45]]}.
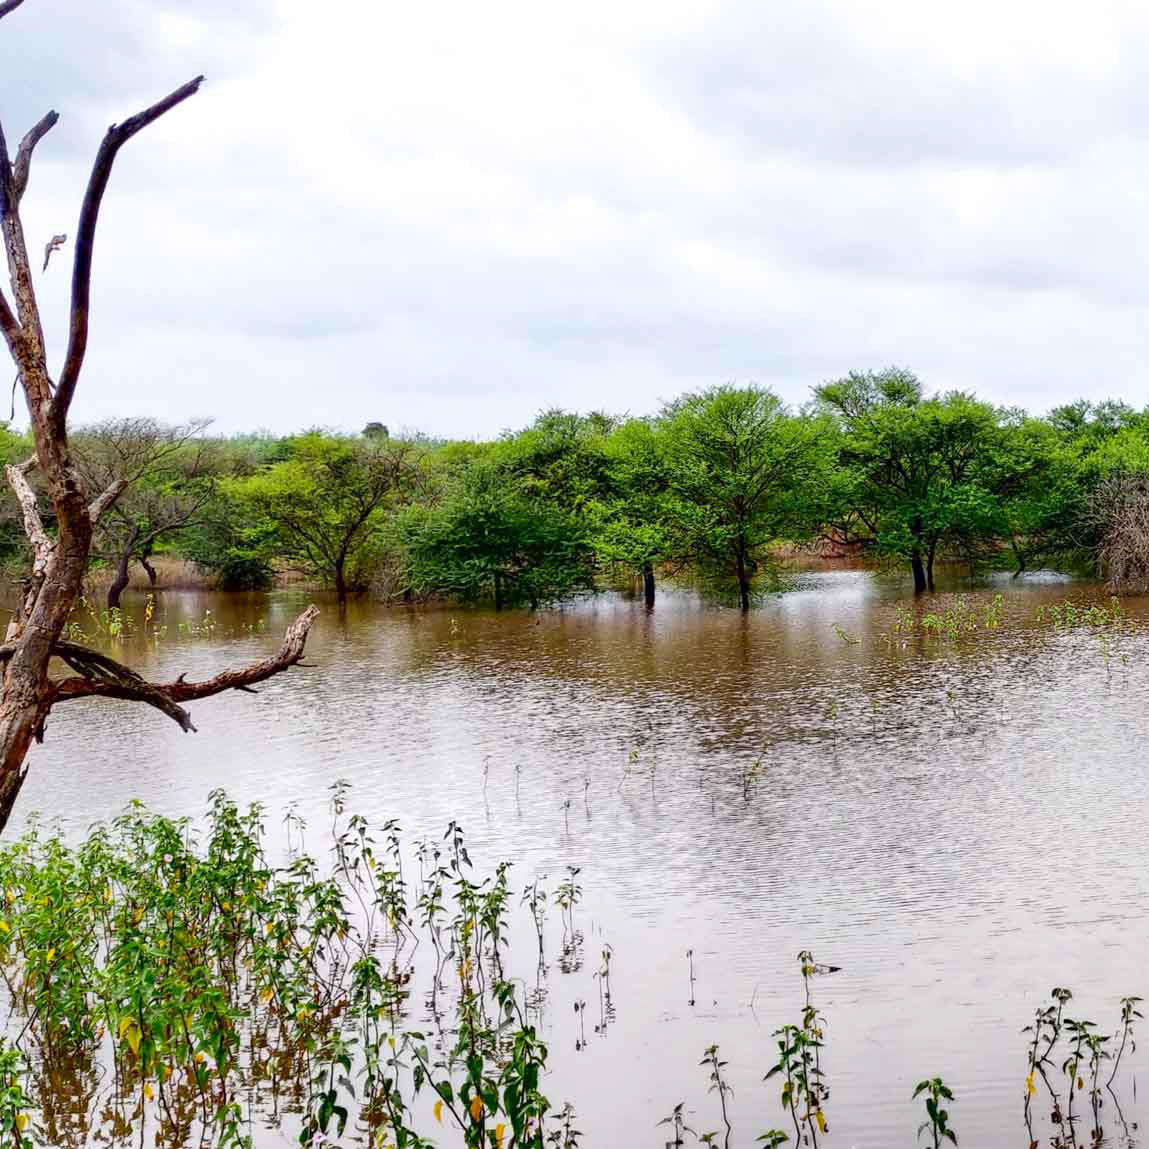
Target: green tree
{"points": [[321, 508], [489, 536], [742, 469], [918, 472], [634, 518]]}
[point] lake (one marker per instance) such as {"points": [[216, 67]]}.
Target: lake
{"points": [[956, 820]]}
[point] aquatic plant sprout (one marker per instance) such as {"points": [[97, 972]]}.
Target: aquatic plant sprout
{"points": [[172, 981]]}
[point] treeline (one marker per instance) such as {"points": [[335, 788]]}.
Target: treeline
{"points": [[709, 487]]}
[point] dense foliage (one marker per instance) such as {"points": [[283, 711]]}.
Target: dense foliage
{"points": [[713, 487]]}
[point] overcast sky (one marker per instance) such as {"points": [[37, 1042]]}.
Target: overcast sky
{"points": [[448, 216]]}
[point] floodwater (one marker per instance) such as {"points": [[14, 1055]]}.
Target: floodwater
{"points": [[957, 822]]}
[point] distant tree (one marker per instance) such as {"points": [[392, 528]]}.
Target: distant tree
{"points": [[561, 458], [1119, 511], [490, 537], [376, 431], [168, 484], [634, 518], [320, 508], [741, 468], [916, 471]]}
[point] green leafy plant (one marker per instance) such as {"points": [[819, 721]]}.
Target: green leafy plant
{"points": [[937, 1122]]}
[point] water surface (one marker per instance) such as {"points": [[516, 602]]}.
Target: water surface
{"points": [[958, 823]]}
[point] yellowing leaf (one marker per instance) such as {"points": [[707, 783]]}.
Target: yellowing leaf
{"points": [[22, 1122], [124, 1023], [476, 1107], [149, 1092], [1030, 1088], [500, 1133], [50, 954], [133, 1036], [5, 927], [438, 1111], [821, 1119]]}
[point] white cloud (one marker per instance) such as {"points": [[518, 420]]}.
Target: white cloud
{"points": [[451, 215]]}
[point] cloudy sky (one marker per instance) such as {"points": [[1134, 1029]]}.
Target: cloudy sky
{"points": [[448, 216]]}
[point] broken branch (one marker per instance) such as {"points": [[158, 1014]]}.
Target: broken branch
{"points": [[103, 677], [23, 164], [106, 499], [42, 545]]}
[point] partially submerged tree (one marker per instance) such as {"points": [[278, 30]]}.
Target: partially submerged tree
{"points": [[634, 518], [1119, 514], [168, 472], [489, 537], [321, 506], [741, 467], [916, 471], [60, 559]]}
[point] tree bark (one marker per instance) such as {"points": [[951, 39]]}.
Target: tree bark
{"points": [[930, 566], [648, 583], [340, 584], [120, 582], [919, 570], [743, 580], [153, 577]]}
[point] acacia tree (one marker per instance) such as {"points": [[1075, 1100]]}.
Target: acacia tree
{"points": [[634, 517], [741, 468], [60, 559], [168, 469], [919, 472], [321, 505]]}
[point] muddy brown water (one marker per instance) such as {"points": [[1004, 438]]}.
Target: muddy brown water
{"points": [[960, 824]]}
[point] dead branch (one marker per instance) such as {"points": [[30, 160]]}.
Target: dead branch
{"points": [[101, 676], [53, 245], [23, 164], [289, 654], [1119, 515], [128, 692], [42, 545], [106, 499], [117, 135], [7, 6]]}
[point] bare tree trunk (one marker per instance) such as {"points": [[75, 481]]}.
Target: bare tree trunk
{"points": [[930, 565], [123, 571], [120, 582], [33, 639], [498, 590], [153, 578]]}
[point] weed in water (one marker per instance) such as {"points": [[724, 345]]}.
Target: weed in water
{"points": [[937, 1121]]}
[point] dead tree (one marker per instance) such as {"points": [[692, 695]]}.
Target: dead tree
{"points": [[60, 560], [1119, 518]]}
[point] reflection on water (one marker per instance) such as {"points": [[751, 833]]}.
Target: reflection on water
{"points": [[957, 823]]}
